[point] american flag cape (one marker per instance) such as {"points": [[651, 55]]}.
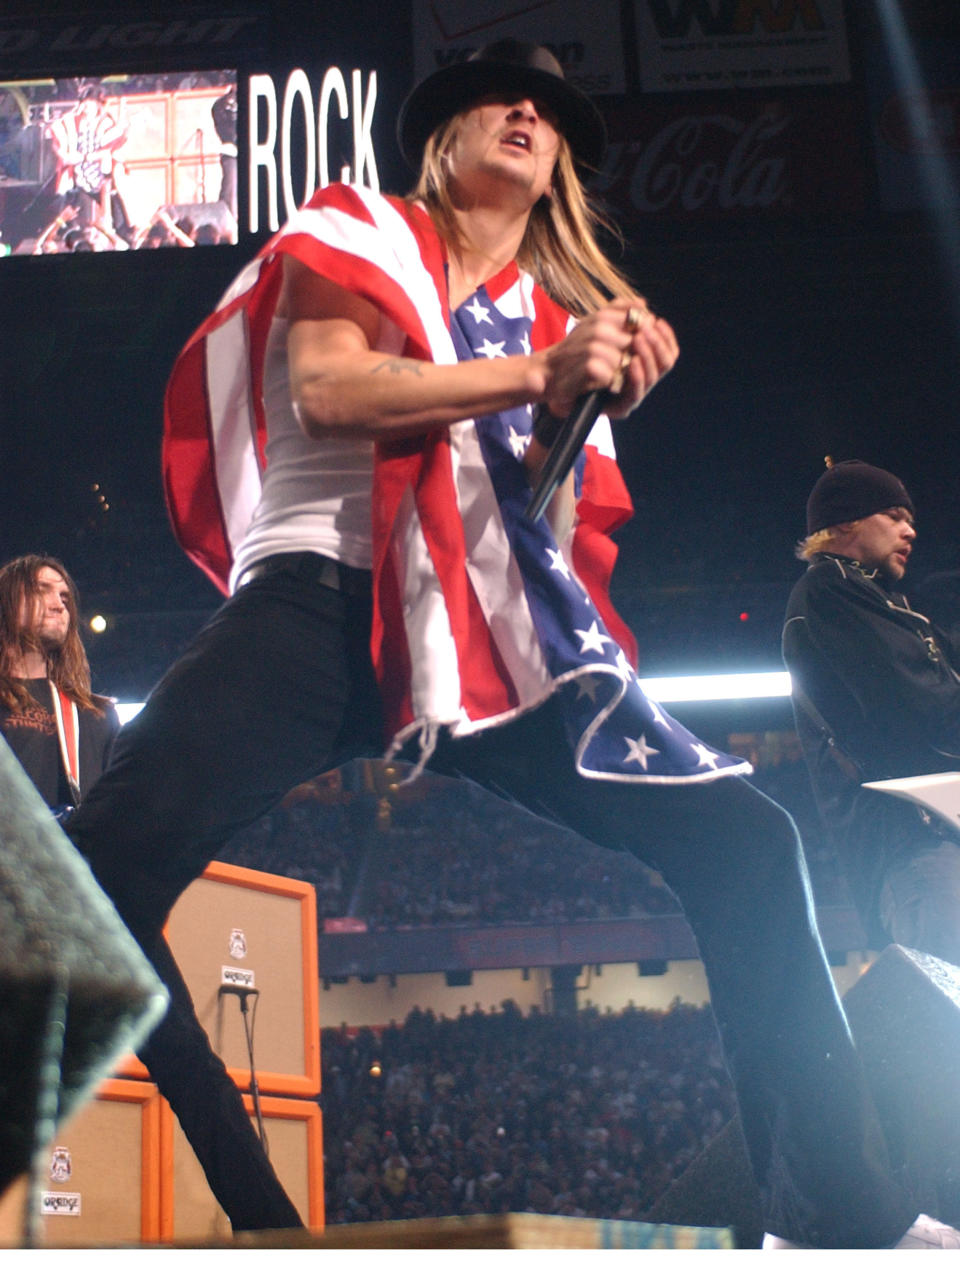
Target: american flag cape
{"points": [[479, 614]]}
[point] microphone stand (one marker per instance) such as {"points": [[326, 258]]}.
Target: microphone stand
{"points": [[244, 993]]}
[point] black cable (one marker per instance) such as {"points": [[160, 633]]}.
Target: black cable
{"points": [[249, 1023]]}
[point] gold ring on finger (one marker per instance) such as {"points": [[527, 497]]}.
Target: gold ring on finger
{"points": [[634, 317], [616, 385]]}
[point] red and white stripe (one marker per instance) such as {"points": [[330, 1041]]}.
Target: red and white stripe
{"points": [[453, 640]]}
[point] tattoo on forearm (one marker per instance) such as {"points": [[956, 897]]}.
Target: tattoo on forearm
{"points": [[398, 366]]}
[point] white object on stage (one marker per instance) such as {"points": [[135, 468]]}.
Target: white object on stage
{"points": [[938, 792]]}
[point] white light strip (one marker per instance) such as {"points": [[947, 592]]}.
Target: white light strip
{"points": [[737, 687]]}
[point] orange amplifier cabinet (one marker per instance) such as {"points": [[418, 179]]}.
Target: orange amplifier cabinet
{"points": [[294, 1132], [236, 928], [102, 1174]]}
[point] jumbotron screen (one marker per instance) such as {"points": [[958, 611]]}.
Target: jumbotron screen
{"points": [[126, 162]]}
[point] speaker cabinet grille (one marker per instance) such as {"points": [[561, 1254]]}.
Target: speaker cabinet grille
{"points": [[103, 1174], [236, 925], [294, 1132]]}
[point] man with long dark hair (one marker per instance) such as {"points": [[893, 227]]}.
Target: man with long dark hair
{"points": [[59, 730], [411, 361]]}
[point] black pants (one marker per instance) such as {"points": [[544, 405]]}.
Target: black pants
{"points": [[279, 686]]}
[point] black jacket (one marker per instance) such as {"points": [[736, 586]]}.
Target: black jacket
{"points": [[876, 695]]}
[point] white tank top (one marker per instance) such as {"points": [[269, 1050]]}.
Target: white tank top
{"points": [[316, 492]]}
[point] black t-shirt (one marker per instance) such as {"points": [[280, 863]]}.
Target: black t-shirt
{"points": [[32, 736]]}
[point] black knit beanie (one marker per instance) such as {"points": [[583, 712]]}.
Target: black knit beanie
{"points": [[850, 490]]}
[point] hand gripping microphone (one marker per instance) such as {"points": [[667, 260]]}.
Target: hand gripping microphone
{"points": [[563, 451]]}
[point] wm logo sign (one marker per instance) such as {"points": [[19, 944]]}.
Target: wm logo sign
{"points": [[676, 18]]}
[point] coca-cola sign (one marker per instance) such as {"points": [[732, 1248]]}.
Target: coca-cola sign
{"points": [[676, 167], [744, 158]]}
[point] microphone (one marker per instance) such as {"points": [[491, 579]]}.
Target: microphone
{"points": [[563, 452], [237, 989]]}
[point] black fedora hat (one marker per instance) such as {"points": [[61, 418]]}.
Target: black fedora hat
{"points": [[508, 65]]}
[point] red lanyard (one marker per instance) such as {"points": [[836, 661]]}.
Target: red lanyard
{"points": [[68, 730]]}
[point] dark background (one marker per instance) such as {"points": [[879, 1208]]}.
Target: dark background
{"points": [[827, 323]]}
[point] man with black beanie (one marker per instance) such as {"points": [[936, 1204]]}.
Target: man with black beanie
{"points": [[876, 695]]}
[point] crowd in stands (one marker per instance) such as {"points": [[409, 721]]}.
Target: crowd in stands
{"points": [[586, 1115], [449, 854]]}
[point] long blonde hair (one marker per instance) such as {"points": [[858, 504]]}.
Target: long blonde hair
{"points": [[559, 248]]}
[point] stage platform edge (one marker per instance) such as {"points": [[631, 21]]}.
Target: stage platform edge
{"points": [[510, 1231], [515, 1230]]}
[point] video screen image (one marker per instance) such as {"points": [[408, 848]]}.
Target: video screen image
{"points": [[126, 162]]}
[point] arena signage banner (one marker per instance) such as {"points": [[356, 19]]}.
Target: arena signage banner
{"points": [[584, 35], [57, 42], [698, 45], [916, 129]]}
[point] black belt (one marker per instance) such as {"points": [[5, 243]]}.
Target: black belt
{"points": [[315, 568]]}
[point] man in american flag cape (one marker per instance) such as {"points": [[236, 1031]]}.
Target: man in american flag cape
{"points": [[351, 440]]}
